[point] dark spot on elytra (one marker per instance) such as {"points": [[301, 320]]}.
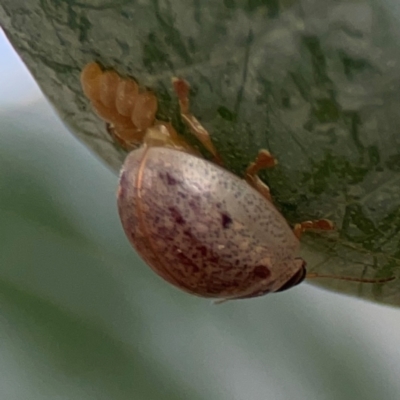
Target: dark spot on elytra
{"points": [[171, 180], [164, 234], [188, 233], [182, 195], [226, 220], [194, 204], [212, 258], [176, 216], [187, 263], [261, 271], [168, 178], [202, 250]]}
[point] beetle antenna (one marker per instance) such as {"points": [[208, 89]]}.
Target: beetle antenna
{"points": [[350, 278]]}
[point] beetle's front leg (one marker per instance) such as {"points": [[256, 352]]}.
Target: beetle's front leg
{"points": [[182, 88], [264, 160], [318, 224]]}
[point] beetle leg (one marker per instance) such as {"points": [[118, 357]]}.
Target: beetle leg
{"points": [[127, 137], [164, 134], [264, 160], [319, 224], [182, 88]]}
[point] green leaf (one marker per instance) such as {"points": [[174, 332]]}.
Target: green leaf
{"points": [[316, 83]]}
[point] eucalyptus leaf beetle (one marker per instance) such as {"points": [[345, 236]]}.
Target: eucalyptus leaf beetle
{"points": [[197, 225]]}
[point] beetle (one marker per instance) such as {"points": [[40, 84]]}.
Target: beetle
{"points": [[197, 225]]}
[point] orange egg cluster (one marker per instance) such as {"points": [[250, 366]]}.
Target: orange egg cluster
{"points": [[128, 111]]}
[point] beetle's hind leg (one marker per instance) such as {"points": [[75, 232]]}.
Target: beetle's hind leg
{"points": [[319, 224], [264, 160], [182, 88]]}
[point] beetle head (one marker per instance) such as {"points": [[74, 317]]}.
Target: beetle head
{"points": [[297, 278]]}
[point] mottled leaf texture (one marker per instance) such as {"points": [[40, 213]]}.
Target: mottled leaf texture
{"points": [[315, 82]]}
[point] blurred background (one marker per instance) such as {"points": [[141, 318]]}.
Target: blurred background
{"points": [[81, 317]]}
